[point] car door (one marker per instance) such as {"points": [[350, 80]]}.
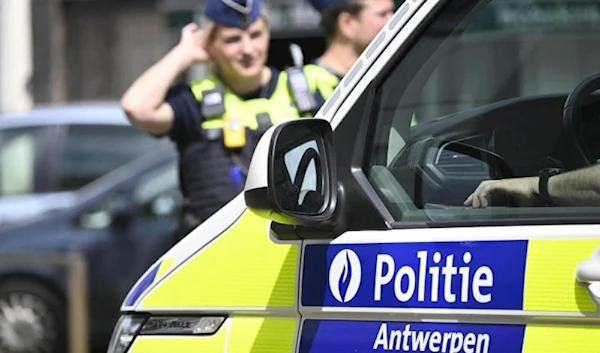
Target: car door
{"points": [[129, 227], [157, 202], [415, 267], [135, 221]]}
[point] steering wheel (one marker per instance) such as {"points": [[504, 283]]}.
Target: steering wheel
{"points": [[573, 117]]}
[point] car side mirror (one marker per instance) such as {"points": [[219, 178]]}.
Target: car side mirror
{"points": [[122, 212], [114, 212], [292, 177], [164, 205]]}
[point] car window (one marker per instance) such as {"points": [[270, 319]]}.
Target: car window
{"points": [[481, 97], [19, 149], [155, 194], [91, 151]]}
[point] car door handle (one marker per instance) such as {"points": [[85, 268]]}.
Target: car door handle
{"points": [[587, 273]]}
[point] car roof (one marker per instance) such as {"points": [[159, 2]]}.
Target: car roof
{"points": [[97, 113]]}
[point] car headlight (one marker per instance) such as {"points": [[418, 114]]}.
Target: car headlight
{"points": [[129, 326], [125, 331], [199, 325]]}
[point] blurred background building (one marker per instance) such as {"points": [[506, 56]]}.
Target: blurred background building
{"points": [[15, 55], [55, 51], [73, 50]]}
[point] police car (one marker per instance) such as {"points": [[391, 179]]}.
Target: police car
{"points": [[354, 234]]}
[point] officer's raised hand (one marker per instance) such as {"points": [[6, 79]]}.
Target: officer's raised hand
{"points": [[144, 102], [192, 44]]}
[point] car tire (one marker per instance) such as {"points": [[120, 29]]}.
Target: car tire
{"points": [[32, 318]]}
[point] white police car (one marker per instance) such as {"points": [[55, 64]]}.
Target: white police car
{"points": [[359, 232]]}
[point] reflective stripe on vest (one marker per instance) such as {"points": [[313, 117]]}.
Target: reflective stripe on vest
{"points": [[279, 106], [205, 166], [319, 79]]}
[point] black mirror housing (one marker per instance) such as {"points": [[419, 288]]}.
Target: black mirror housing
{"points": [[301, 175]]}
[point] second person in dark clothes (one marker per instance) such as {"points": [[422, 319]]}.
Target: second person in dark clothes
{"points": [[348, 26]]}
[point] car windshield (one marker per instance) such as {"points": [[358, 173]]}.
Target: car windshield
{"points": [[482, 94]]}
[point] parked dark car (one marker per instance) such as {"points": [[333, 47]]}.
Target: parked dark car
{"points": [[122, 223], [48, 152]]}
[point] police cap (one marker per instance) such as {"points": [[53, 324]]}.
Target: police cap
{"points": [[321, 5], [233, 13]]}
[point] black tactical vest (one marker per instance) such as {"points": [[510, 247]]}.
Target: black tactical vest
{"points": [[208, 174]]}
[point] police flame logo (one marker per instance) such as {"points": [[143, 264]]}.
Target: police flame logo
{"points": [[344, 276]]}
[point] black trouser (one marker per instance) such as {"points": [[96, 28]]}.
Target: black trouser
{"points": [[188, 221]]}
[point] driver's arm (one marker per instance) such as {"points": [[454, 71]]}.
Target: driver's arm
{"points": [[576, 188]]}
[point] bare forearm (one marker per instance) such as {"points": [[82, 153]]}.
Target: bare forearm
{"points": [[576, 188], [147, 93]]}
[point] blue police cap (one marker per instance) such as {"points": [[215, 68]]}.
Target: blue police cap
{"points": [[233, 13], [321, 5]]}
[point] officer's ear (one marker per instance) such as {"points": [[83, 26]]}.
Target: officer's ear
{"points": [[347, 25], [211, 33], [210, 49], [210, 45]]}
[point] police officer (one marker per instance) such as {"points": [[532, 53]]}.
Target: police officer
{"points": [[216, 122], [349, 26]]}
